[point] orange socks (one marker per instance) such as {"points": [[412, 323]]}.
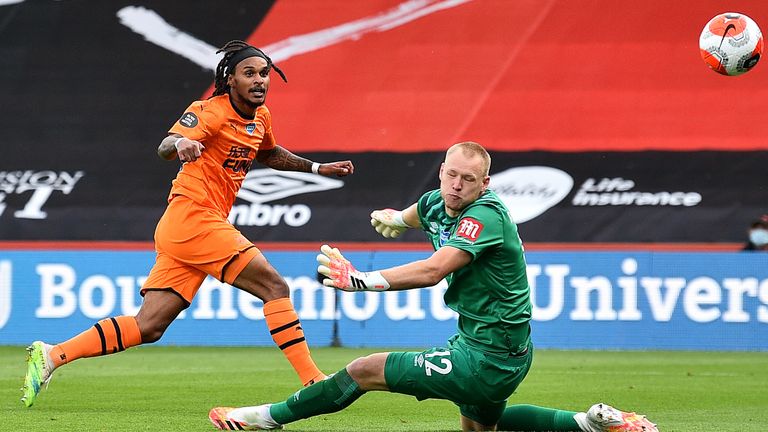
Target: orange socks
{"points": [[285, 328], [112, 335], [107, 336]]}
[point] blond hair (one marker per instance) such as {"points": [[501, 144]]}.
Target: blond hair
{"points": [[470, 148]]}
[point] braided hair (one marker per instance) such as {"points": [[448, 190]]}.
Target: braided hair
{"points": [[230, 59]]}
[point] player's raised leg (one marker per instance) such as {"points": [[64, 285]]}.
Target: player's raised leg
{"points": [[259, 278], [39, 371], [108, 336]]}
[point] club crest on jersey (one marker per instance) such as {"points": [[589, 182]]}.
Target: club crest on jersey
{"points": [[444, 236], [250, 127], [469, 229]]}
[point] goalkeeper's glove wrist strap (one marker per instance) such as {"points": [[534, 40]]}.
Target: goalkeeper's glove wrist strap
{"points": [[369, 281], [397, 218]]}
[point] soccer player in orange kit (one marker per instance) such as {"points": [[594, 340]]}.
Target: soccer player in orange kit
{"points": [[217, 140]]}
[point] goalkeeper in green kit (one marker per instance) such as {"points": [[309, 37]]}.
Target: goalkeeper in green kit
{"points": [[479, 253]]}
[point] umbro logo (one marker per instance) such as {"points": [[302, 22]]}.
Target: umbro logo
{"points": [[264, 185]]}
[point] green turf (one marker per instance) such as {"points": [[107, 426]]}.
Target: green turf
{"points": [[172, 388]]}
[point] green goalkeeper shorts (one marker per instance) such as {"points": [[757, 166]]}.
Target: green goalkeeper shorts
{"points": [[478, 382]]}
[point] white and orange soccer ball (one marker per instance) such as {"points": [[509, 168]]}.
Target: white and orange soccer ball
{"points": [[731, 43]]}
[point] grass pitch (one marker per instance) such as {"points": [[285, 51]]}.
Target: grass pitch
{"points": [[172, 389]]}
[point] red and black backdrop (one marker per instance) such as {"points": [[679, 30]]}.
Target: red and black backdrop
{"points": [[602, 120]]}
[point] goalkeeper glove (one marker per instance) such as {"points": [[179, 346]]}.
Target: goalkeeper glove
{"points": [[388, 222], [341, 274]]}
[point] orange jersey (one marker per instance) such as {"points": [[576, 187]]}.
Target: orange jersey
{"points": [[231, 143]]}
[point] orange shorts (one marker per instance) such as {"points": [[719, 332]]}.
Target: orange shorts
{"points": [[193, 241]]}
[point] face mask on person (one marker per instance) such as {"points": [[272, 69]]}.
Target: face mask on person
{"points": [[759, 237]]}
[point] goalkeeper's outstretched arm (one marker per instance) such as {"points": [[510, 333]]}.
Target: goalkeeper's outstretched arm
{"points": [[341, 274], [426, 272], [391, 223]]}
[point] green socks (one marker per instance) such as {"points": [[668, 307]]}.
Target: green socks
{"points": [[324, 397], [340, 390], [535, 418]]}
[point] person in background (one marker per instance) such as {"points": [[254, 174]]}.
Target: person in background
{"points": [[758, 235]]}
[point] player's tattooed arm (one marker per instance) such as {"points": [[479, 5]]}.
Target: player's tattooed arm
{"points": [[166, 149], [174, 145], [281, 159]]}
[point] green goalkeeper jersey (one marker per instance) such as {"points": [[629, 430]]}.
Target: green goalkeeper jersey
{"points": [[491, 293]]}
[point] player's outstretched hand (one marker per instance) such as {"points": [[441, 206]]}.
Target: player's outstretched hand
{"points": [[341, 274], [335, 268], [188, 150], [339, 169], [388, 222]]}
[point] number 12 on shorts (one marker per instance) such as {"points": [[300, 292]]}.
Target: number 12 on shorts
{"points": [[445, 366]]}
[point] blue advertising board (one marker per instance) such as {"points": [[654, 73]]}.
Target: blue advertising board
{"points": [[591, 300]]}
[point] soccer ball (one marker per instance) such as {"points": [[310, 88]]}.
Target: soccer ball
{"points": [[731, 43]]}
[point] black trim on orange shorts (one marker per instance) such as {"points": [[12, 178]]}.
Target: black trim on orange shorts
{"points": [[234, 257], [144, 290]]}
